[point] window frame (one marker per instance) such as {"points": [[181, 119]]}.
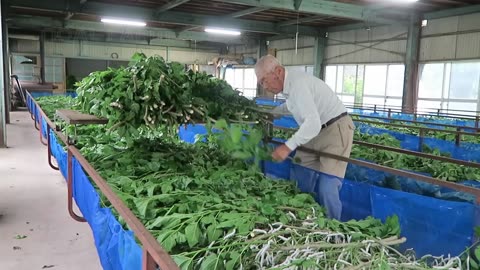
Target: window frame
{"points": [[445, 99], [359, 100]]}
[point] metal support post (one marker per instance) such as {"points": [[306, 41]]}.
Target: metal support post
{"points": [[42, 57], [420, 140], [458, 136], [319, 56], [4, 92], [411, 64]]}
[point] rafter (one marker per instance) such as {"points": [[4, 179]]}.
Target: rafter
{"points": [[170, 5], [301, 20], [323, 7], [232, 15]]}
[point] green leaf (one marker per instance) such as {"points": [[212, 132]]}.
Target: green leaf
{"points": [[142, 206], [267, 209], [151, 189], [183, 262], [165, 222], [233, 262], [477, 231], [221, 124], [236, 134], [193, 233], [213, 233], [166, 188], [241, 155], [181, 238], [206, 220], [209, 262], [167, 240]]}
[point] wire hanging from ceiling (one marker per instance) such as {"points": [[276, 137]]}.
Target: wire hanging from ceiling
{"points": [[296, 35]]}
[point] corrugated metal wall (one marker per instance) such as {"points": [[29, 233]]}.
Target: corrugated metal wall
{"points": [[247, 50], [110, 51], [287, 55], [385, 44], [452, 38]]}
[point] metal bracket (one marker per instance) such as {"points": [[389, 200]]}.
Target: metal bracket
{"points": [[70, 188], [49, 150], [296, 4]]}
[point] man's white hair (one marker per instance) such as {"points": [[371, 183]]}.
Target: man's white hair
{"points": [[266, 64]]}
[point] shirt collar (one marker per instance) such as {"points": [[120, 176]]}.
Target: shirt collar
{"points": [[286, 84]]}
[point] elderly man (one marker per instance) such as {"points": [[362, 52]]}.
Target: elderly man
{"points": [[324, 126]]}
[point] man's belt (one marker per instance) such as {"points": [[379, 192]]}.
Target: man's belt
{"points": [[333, 120]]}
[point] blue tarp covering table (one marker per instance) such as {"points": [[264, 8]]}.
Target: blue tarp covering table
{"points": [[116, 247]]}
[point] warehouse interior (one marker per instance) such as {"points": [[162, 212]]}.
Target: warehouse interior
{"points": [[407, 71]]}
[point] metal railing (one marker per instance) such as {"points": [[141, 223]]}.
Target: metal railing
{"points": [[430, 112], [427, 179]]}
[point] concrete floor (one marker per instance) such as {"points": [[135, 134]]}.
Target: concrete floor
{"points": [[33, 203]]}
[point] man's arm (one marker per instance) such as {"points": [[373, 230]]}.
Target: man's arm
{"points": [[280, 110], [311, 125]]}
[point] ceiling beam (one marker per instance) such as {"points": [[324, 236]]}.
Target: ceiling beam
{"points": [[180, 18], [452, 12], [302, 20], [232, 15], [49, 24], [323, 7], [170, 5], [354, 26], [245, 12]]}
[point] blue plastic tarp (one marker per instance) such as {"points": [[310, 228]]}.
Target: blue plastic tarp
{"points": [[116, 247], [46, 94]]}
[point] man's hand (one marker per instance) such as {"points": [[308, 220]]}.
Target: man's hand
{"points": [[281, 153]]}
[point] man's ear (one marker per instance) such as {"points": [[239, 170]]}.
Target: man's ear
{"points": [[278, 70]]}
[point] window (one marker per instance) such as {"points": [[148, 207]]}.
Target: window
{"points": [[243, 79], [395, 80], [464, 80], [430, 84], [54, 69], [450, 86], [367, 84], [26, 67], [375, 80], [331, 76]]}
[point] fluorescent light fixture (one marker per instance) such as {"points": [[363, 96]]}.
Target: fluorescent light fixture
{"points": [[123, 22], [401, 1], [222, 31], [424, 23]]}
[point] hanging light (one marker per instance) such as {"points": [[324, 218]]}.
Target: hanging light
{"points": [[123, 22], [223, 31]]}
